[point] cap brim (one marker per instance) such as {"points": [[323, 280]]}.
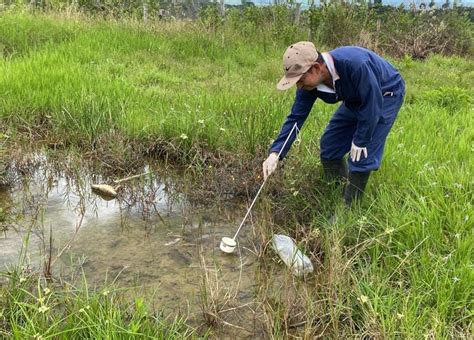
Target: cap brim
{"points": [[285, 83]]}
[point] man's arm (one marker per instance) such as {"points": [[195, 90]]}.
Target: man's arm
{"points": [[302, 105]]}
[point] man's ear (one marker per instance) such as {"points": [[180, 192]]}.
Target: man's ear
{"points": [[316, 67]]}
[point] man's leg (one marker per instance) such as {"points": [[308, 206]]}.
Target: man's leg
{"points": [[335, 143], [357, 181], [359, 172], [335, 171]]}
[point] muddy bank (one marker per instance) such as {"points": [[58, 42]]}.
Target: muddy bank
{"points": [[207, 175]]}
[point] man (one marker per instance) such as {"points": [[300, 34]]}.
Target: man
{"points": [[371, 91]]}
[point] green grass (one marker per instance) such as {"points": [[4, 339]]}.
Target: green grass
{"points": [[30, 308], [141, 83], [409, 251]]}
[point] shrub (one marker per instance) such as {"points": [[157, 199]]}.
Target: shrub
{"points": [[451, 98]]}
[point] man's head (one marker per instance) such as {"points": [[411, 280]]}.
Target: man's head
{"points": [[303, 66]]}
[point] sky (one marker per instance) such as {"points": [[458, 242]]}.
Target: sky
{"points": [[385, 2]]}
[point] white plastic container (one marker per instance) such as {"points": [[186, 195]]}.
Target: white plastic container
{"points": [[298, 262]]}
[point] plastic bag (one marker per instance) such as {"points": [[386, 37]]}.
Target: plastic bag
{"points": [[286, 248]]}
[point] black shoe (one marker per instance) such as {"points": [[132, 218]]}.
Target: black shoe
{"points": [[335, 170], [355, 187]]}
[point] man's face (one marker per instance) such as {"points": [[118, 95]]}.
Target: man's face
{"points": [[310, 79]]}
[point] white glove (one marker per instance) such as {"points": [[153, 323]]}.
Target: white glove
{"points": [[356, 152], [270, 165]]}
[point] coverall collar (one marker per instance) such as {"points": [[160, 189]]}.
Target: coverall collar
{"points": [[332, 70]]}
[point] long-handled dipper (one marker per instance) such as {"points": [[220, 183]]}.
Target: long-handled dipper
{"points": [[228, 244]]}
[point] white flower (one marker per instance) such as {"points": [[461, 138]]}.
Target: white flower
{"points": [[446, 258], [105, 292], [46, 291], [295, 193], [222, 129], [201, 121], [363, 299], [43, 309], [456, 279], [362, 220], [22, 279], [183, 136], [399, 316], [389, 230]]}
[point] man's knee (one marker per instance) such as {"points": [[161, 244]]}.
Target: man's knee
{"points": [[325, 147], [361, 166], [334, 147]]}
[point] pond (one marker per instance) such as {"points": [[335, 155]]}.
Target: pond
{"points": [[150, 237]]}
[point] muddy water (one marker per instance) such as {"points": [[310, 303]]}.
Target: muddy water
{"points": [[150, 237]]}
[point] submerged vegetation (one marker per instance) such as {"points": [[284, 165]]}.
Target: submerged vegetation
{"points": [[202, 95]]}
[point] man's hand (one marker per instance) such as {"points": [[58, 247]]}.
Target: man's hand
{"points": [[356, 152], [270, 165]]}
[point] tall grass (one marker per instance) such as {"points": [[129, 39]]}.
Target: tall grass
{"points": [[401, 267], [174, 81]]}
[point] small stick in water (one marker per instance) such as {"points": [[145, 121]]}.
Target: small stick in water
{"points": [[129, 178]]}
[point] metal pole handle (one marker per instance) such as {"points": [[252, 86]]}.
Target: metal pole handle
{"points": [[261, 187]]}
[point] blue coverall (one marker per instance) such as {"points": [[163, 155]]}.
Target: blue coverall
{"points": [[371, 91]]}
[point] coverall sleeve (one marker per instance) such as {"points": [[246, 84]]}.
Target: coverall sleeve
{"points": [[368, 113], [300, 110]]}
